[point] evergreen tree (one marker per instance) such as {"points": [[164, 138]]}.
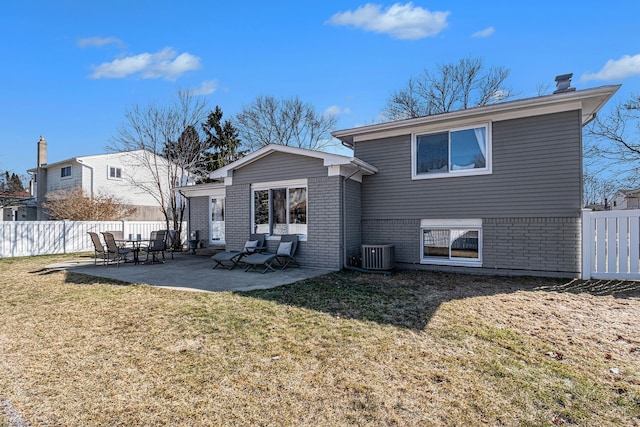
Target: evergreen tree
{"points": [[15, 184], [11, 183], [222, 138]]}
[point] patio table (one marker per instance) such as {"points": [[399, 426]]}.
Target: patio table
{"points": [[135, 244]]}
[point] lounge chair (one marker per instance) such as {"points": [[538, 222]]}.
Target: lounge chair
{"points": [[230, 259], [98, 248], [283, 257], [157, 244], [114, 252]]}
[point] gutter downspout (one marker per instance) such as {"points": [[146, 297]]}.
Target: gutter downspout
{"points": [[344, 216]]}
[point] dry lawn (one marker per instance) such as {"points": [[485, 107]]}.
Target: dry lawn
{"points": [[344, 349]]}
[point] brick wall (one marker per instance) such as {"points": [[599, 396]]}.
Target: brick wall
{"points": [[323, 247], [237, 218], [537, 246], [532, 244], [199, 217]]}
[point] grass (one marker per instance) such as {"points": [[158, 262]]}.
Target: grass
{"points": [[343, 349]]}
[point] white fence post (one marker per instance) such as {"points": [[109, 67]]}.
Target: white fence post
{"points": [[587, 244]]}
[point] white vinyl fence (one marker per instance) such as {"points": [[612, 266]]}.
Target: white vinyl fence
{"points": [[611, 245], [24, 238]]}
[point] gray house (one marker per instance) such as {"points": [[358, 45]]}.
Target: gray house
{"points": [[492, 189]]}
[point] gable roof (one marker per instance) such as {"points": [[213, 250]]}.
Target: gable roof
{"points": [[328, 159], [589, 101]]}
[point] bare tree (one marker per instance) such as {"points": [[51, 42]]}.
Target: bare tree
{"points": [[615, 138], [449, 87], [165, 142], [597, 187], [74, 205], [268, 120]]}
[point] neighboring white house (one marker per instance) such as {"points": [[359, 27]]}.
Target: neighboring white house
{"points": [[122, 175], [625, 199]]}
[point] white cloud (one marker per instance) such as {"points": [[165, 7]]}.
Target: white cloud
{"points": [[166, 64], [99, 41], [206, 88], [484, 33], [400, 21], [334, 110], [618, 69]]}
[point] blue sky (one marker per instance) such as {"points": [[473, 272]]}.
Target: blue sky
{"points": [[71, 68]]}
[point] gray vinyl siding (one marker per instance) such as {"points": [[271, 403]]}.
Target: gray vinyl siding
{"points": [[536, 172], [278, 167]]}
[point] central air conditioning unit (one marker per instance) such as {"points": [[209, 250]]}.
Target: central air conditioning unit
{"points": [[378, 257]]}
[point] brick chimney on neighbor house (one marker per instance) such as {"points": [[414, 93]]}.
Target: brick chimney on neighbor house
{"points": [[38, 185], [42, 151]]}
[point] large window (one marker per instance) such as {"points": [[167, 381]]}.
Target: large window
{"points": [[280, 210], [65, 172], [465, 151], [452, 242]]}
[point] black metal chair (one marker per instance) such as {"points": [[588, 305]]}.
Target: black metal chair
{"points": [[115, 252], [157, 245]]}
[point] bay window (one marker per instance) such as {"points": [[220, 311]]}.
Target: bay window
{"points": [[464, 151]]}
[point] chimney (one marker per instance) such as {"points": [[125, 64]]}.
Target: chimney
{"points": [[42, 151], [563, 83]]}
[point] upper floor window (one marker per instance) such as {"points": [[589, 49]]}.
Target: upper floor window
{"points": [[280, 209], [65, 172], [115, 172], [464, 151]]}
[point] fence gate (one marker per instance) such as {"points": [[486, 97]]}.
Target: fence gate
{"points": [[611, 244]]}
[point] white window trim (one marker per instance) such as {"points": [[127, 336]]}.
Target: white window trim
{"points": [[217, 195], [292, 183], [114, 177], [446, 224], [453, 173]]}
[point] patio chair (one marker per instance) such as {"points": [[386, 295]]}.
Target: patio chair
{"points": [[157, 245], [230, 259], [115, 252], [283, 257], [117, 234], [98, 248]]}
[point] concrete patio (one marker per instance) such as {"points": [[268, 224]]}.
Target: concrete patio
{"points": [[190, 272]]}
